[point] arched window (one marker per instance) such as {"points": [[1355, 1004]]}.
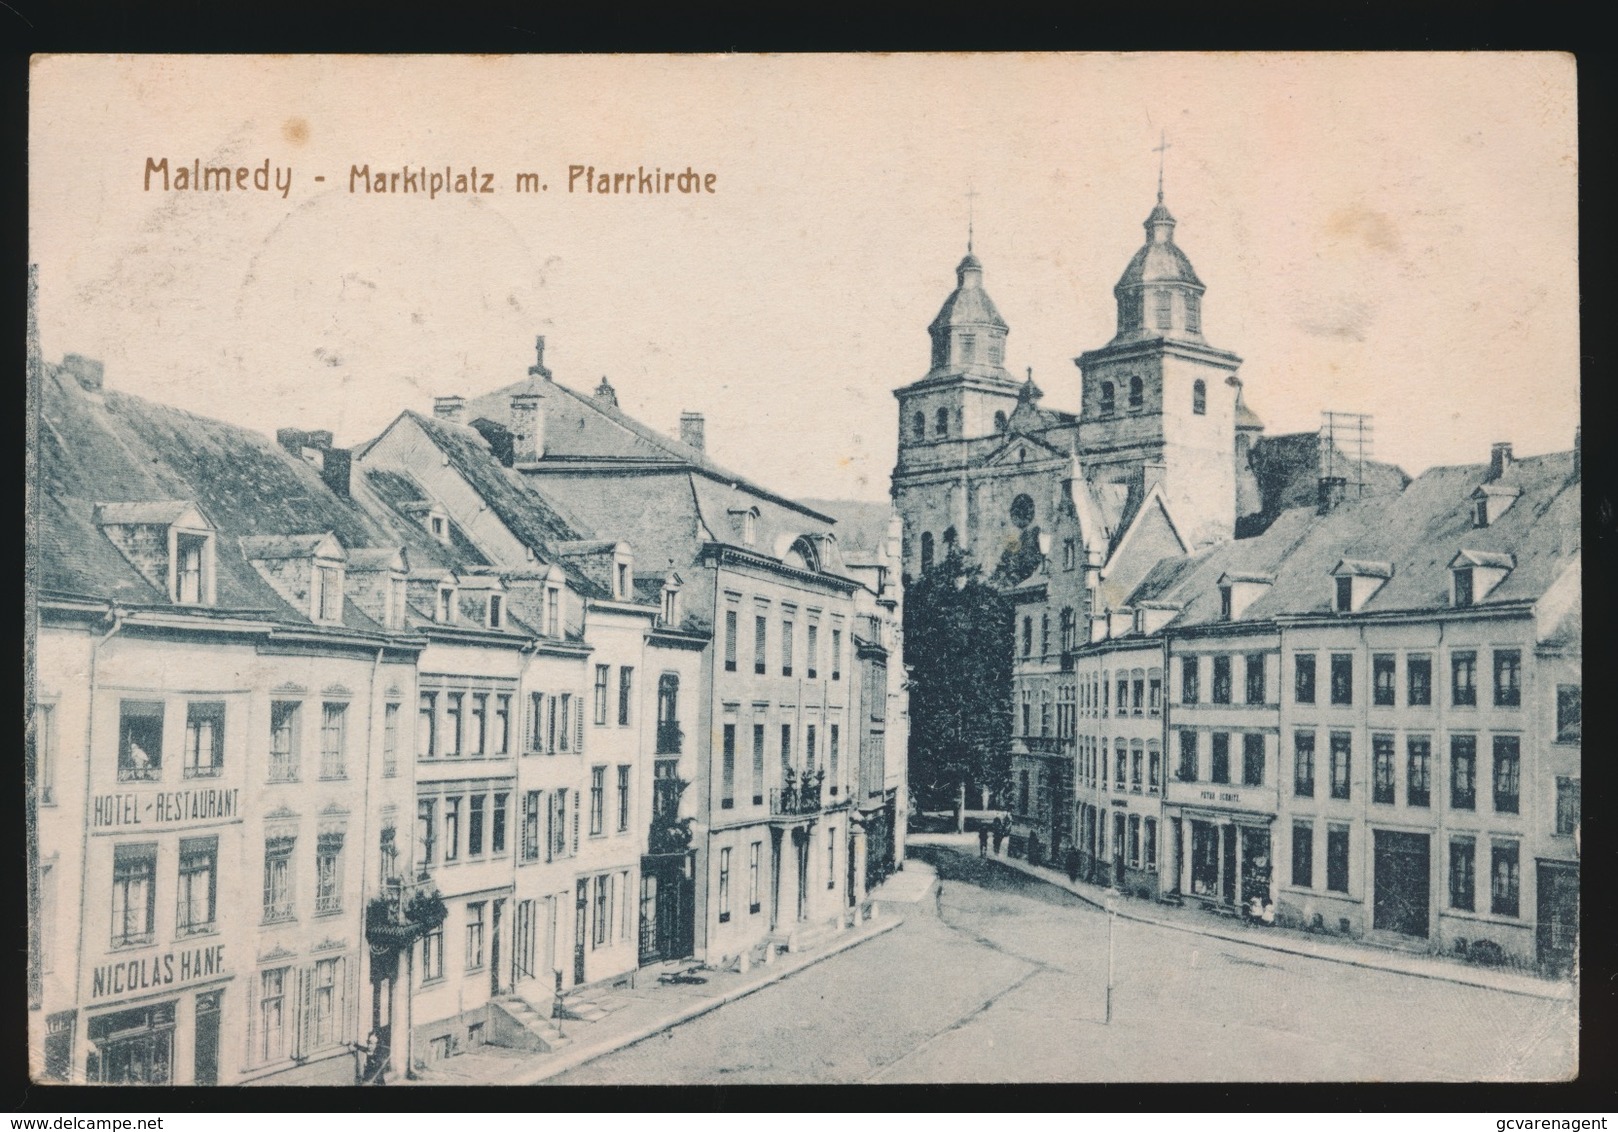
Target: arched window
{"points": [[1022, 510], [1107, 403], [918, 425], [949, 536], [999, 422], [927, 550], [941, 423], [1199, 398], [1028, 636], [1044, 634], [668, 699], [1137, 389]]}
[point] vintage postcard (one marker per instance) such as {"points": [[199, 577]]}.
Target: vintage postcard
{"points": [[556, 570]]}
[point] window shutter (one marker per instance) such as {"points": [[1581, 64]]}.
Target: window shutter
{"points": [[576, 794], [578, 728], [351, 1004], [305, 1027], [254, 981]]}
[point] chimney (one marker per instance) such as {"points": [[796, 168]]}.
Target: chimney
{"points": [[450, 409], [1499, 460], [334, 469], [87, 371], [538, 368], [527, 427], [299, 442], [1577, 448], [498, 437], [1332, 489], [691, 431]]}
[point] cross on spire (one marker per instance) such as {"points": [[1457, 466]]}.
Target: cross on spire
{"points": [[1159, 148], [970, 195]]}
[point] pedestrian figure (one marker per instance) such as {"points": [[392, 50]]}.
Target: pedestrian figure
{"points": [[1073, 865], [983, 841], [999, 835]]}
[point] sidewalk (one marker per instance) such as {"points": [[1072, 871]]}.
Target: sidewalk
{"points": [[1198, 922], [639, 1012]]}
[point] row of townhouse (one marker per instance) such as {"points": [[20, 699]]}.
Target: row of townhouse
{"points": [[399, 747], [1365, 720]]}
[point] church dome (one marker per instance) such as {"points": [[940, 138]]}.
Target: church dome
{"points": [[969, 304], [1159, 260]]}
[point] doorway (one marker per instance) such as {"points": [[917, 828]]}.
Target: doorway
{"points": [[206, 1063], [522, 960], [1227, 860], [800, 839], [1558, 900], [1402, 883], [581, 910], [775, 880], [494, 948]]}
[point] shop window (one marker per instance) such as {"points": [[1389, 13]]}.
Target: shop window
{"points": [[133, 1047], [1303, 855], [1337, 858]]}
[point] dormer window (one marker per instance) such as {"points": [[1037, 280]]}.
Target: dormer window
{"points": [[1237, 591], [553, 611], [497, 611], [1224, 603], [1480, 517], [1463, 587], [444, 614], [170, 543], [396, 603], [1475, 573], [1355, 581], [1491, 501], [437, 525], [190, 551], [999, 421], [744, 521], [671, 606], [326, 592]]}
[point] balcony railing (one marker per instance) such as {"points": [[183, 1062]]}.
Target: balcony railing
{"points": [[798, 796], [669, 737]]}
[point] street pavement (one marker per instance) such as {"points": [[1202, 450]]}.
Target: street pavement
{"points": [[998, 976]]}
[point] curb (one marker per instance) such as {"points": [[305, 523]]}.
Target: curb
{"points": [[1555, 992], [583, 1056]]}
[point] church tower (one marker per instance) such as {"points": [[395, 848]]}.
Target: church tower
{"points": [[1158, 402]]}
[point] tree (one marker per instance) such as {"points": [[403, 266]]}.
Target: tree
{"points": [[958, 645]]}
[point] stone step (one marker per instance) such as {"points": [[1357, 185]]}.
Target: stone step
{"points": [[535, 1030]]}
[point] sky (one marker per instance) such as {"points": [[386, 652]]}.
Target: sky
{"points": [[1393, 234]]}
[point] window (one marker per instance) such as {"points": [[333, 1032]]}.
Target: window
{"points": [[530, 826], [1303, 764], [1504, 878], [1569, 713], [1199, 397], [727, 773], [1154, 698], [1463, 772], [562, 720], [1134, 841], [1507, 678], [390, 740], [831, 858], [432, 955], [1193, 312], [497, 831], [760, 635], [1567, 806], [480, 724], [603, 674], [284, 716], [454, 709], [324, 999], [622, 574], [1134, 768], [1221, 680], [204, 740], [333, 719], [1507, 773], [1162, 308], [731, 617], [45, 753], [752, 876], [724, 886], [836, 654], [1188, 680], [1224, 603], [1255, 678], [941, 423], [918, 426], [427, 726], [1382, 679], [1463, 874], [1136, 391], [452, 829], [1337, 858], [809, 748], [477, 806], [1345, 594], [598, 799], [1303, 855], [1070, 554], [1382, 769], [140, 741], [1419, 680], [786, 746], [1187, 771], [446, 606], [1028, 636], [1108, 405], [758, 764], [1120, 767], [1463, 587], [1463, 679], [1151, 843], [1220, 771], [278, 878], [427, 829], [1044, 634], [199, 859], [834, 741], [812, 649], [1342, 678], [502, 725], [1253, 759], [1418, 771], [1022, 792], [926, 550], [188, 579], [497, 611], [553, 611], [328, 873], [134, 873], [1341, 763], [474, 935]]}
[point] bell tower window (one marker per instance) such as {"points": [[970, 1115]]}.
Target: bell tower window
{"points": [[941, 423], [999, 421], [918, 426], [1137, 390], [1199, 398], [1193, 314], [926, 550], [1163, 309], [997, 351], [1107, 403], [969, 348]]}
